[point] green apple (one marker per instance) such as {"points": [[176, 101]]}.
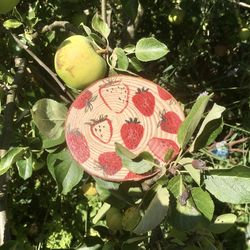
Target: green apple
{"points": [[131, 218], [244, 34], [7, 5], [176, 16], [114, 219], [77, 63]]}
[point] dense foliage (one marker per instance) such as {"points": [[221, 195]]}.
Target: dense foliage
{"points": [[199, 51]]}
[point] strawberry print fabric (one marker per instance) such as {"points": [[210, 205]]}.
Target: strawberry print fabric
{"points": [[132, 111]]}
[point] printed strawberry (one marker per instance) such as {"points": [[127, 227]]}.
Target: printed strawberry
{"points": [[164, 94], [160, 146], [144, 101], [170, 122], [78, 146], [132, 133], [115, 95], [101, 129], [110, 162], [85, 99]]}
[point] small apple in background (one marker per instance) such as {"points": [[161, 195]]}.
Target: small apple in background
{"points": [[131, 218], [77, 63], [7, 5], [176, 16], [244, 34], [114, 219]]}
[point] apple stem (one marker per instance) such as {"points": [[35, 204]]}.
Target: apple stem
{"points": [[102, 51]]}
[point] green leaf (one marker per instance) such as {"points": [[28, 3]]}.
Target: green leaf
{"points": [[115, 197], [100, 26], [222, 223], [121, 150], [203, 202], [137, 164], [106, 184], [149, 49], [65, 170], [11, 157], [175, 186], [229, 185], [168, 155], [209, 129], [96, 39], [50, 142], [25, 168], [130, 8], [195, 173], [189, 125], [155, 212], [12, 24], [136, 64], [122, 59], [49, 116], [86, 29], [129, 49], [140, 167], [185, 217], [207, 244]]}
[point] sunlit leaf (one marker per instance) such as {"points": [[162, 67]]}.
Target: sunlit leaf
{"points": [[222, 223], [195, 173], [150, 49], [100, 26], [191, 122], [203, 202], [49, 116], [12, 24], [65, 170], [175, 186], [185, 217], [137, 164], [155, 212], [11, 157], [25, 168], [209, 129], [229, 185], [122, 60]]}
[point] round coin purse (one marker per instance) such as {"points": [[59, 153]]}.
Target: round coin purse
{"points": [[132, 111]]}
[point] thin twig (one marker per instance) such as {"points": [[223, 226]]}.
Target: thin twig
{"points": [[60, 24], [43, 65], [243, 4], [9, 113], [64, 25], [104, 10], [40, 77]]}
